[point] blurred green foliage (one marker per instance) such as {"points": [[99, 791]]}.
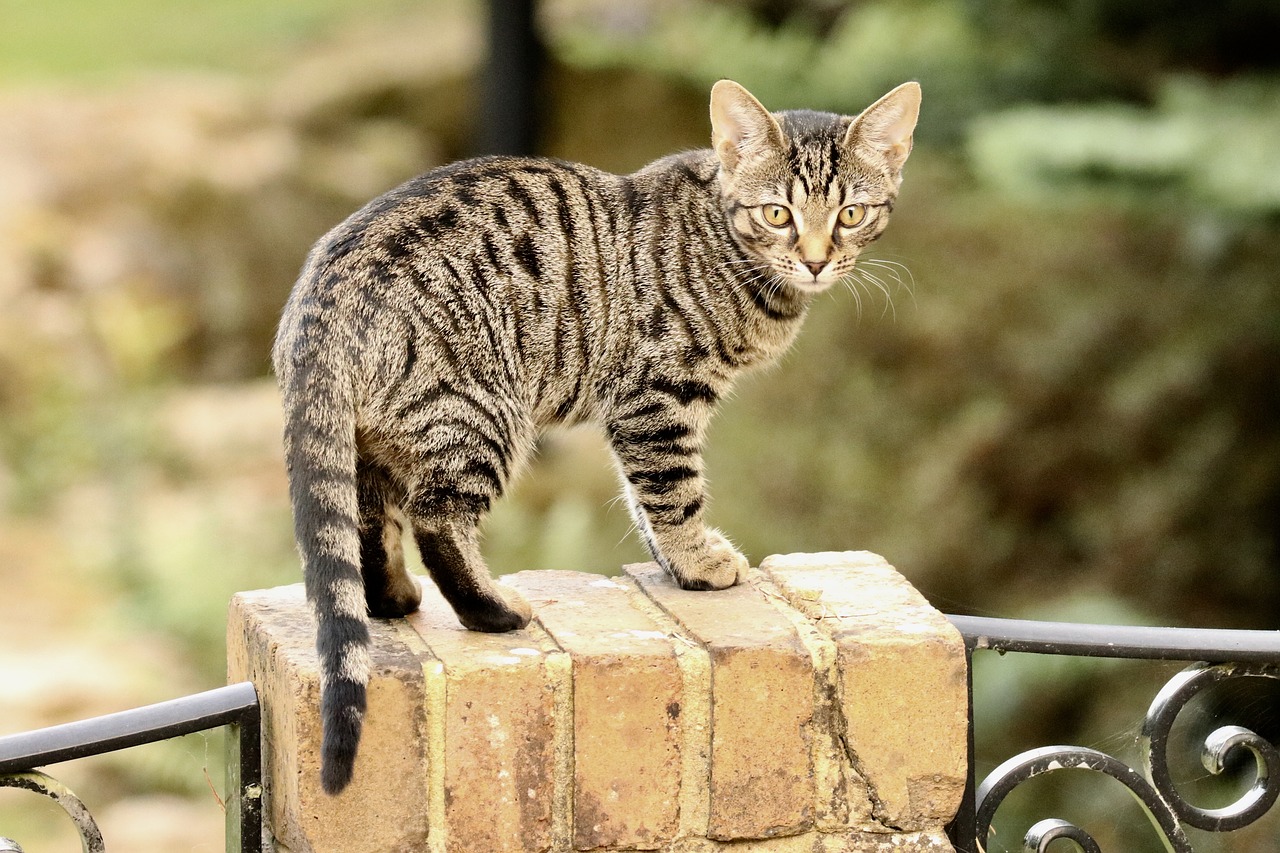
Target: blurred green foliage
{"points": [[1203, 146], [797, 62], [86, 40]]}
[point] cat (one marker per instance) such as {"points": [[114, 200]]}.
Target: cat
{"points": [[432, 335]]}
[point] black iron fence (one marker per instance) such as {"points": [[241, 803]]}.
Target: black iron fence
{"points": [[1217, 658], [235, 707]]}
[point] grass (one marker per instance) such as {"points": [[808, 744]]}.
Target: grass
{"points": [[93, 41]]}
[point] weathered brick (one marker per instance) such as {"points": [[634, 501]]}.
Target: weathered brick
{"points": [[493, 732], [934, 841], [762, 687], [903, 680], [271, 641], [819, 708], [627, 708]]}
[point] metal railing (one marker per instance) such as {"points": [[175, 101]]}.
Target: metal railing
{"points": [[235, 707], [1218, 657]]}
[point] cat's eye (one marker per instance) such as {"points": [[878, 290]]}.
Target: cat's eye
{"points": [[777, 215], [852, 215]]}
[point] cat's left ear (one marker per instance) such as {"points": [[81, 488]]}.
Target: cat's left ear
{"points": [[741, 128], [887, 125]]}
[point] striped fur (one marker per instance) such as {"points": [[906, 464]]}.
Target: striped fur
{"points": [[433, 334]]}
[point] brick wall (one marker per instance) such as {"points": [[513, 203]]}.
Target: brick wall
{"points": [[821, 707]]}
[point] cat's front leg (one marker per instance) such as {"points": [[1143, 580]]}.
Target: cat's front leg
{"points": [[660, 457]]}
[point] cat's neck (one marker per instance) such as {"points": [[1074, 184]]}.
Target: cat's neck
{"points": [[680, 197]]}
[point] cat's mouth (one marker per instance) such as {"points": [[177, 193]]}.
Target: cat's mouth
{"points": [[811, 277], [808, 281]]}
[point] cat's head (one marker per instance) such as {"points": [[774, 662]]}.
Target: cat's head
{"points": [[805, 191]]}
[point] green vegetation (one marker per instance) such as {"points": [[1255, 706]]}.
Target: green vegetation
{"points": [[1204, 146], [87, 40]]}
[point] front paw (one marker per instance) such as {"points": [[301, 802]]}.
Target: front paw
{"points": [[717, 566]]}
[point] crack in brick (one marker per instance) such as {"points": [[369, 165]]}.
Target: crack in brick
{"points": [[829, 690], [834, 699]]}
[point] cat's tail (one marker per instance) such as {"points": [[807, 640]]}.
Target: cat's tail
{"points": [[320, 455]]}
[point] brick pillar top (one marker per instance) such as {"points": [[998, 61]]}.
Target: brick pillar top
{"points": [[819, 707]]}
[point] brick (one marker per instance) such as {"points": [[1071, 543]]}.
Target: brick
{"points": [[498, 702], [627, 701], [934, 841], [848, 841], [843, 799], [902, 680], [762, 686], [818, 708], [271, 641]]}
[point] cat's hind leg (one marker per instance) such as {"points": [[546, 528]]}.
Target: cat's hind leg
{"points": [[389, 589], [457, 489], [466, 446], [450, 549]]}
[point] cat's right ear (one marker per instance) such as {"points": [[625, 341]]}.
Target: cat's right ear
{"points": [[741, 128], [886, 127]]}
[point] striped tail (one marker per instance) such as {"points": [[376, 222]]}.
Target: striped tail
{"points": [[320, 454]]}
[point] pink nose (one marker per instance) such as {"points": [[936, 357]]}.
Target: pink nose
{"points": [[815, 267]]}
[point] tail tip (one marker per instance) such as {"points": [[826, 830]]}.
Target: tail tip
{"points": [[343, 713], [335, 773]]}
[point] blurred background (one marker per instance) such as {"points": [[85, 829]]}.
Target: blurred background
{"points": [[1066, 407]]}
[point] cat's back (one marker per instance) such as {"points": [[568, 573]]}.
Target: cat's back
{"points": [[499, 266], [504, 214]]}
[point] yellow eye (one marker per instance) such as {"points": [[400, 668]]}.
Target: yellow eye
{"points": [[852, 215], [777, 215]]}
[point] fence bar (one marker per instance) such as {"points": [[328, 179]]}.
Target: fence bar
{"points": [[208, 710], [1118, 641], [1211, 646], [244, 786]]}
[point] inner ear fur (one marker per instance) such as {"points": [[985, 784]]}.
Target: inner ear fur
{"points": [[887, 125], [740, 125]]}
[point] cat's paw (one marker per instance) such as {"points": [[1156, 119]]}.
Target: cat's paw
{"points": [[718, 566], [510, 613], [398, 598]]}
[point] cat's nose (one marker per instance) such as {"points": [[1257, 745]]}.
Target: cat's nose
{"points": [[814, 267]]}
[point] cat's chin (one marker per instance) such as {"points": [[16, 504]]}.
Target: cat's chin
{"points": [[808, 286]]}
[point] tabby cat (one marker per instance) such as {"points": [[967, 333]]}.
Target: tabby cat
{"points": [[433, 334]]}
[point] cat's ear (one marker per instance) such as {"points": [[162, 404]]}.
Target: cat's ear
{"points": [[886, 126], [741, 128]]}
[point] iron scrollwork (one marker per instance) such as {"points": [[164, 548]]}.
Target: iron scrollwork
{"points": [[1154, 788], [45, 785], [1218, 746]]}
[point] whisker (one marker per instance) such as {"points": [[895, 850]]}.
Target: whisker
{"points": [[870, 278], [897, 271], [849, 281]]}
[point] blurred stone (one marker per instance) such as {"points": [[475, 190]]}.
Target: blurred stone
{"points": [[160, 823]]}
